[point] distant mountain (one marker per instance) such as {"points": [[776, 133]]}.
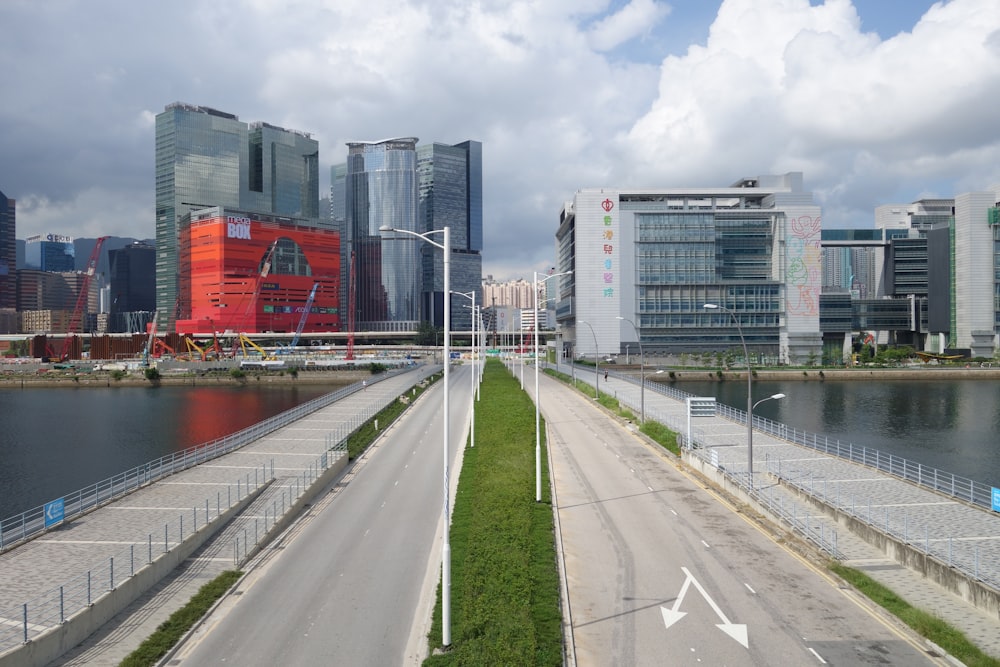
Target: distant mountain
{"points": [[83, 247]]}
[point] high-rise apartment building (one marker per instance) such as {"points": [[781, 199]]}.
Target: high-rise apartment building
{"points": [[51, 252], [206, 158], [375, 188], [8, 253]]}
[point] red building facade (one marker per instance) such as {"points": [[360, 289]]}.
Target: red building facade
{"points": [[243, 273]]}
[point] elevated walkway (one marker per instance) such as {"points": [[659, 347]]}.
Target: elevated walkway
{"points": [[142, 556]]}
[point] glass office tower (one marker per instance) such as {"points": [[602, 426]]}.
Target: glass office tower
{"points": [[381, 190], [450, 191], [206, 158], [50, 252], [8, 254]]}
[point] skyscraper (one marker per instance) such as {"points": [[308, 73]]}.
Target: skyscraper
{"points": [[381, 190], [205, 158], [8, 253], [50, 252], [133, 284], [450, 191]]}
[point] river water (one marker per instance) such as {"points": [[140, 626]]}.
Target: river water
{"points": [[952, 425], [54, 441]]}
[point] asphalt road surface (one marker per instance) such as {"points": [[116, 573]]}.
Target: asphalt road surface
{"points": [[347, 588], [660, 571]]}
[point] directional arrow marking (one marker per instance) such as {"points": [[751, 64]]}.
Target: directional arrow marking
{"points": [[670, 616]]}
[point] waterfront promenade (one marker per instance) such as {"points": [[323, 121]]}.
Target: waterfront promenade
{"points": [[934, 551], [136, 560]]}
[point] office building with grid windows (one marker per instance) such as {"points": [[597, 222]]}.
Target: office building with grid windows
{"points": [[656, 257], [206, 158]]}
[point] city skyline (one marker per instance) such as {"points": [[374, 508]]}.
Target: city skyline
{"points": [[877, 102]]}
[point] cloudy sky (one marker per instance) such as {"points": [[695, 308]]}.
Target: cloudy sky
{"points": [[876, 101]]}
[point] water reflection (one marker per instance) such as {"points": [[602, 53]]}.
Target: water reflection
{"points": [[950, 425]]}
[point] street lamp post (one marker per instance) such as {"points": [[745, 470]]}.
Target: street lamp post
{"points": [[538, 398], [596, 358], [472, 360], [750, 403], [445, 246], [642, 370]]}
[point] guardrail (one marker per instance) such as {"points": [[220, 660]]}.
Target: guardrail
{"points": [[51, 609], [969, 559], [31, 523]]}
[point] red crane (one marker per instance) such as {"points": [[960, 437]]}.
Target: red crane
{"points": [[351, 303], [81, 299]]}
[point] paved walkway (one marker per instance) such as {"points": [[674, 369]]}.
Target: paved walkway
{"points": [[953, 532], [138, 527]]}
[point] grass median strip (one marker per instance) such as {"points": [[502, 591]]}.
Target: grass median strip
{"points": [[172, 629], [505, 580]]}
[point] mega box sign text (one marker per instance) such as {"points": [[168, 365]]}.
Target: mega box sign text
{"points": [[237, 228]]}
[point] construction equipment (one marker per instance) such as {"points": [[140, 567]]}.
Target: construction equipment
{"points": [[81, 299], [305, 316], [243, 341], [151, 330]]}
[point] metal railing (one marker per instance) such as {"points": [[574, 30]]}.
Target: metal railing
{"points": [[31, 523], [20, 625], [973, 560]]}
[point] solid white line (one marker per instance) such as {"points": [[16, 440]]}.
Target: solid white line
{"points": [[750, 589], [818, 657]]}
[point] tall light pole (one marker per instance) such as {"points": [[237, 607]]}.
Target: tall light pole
{"points": [[445, 246], [472, 360], [596, 357], [538, 398], [642, 369], [746, 356]]}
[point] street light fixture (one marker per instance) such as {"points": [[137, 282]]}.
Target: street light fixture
{"points": [[750, 403], [445, 247], [642, 370], [472, 357], [538, 398], [596, 358]]}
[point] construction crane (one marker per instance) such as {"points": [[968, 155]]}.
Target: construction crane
{"points": [[305, 316], [351, 303], [81, 299], [254, 296], [151, 328]]}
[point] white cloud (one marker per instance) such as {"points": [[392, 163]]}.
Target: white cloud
{"points": [[635, 19], [548, 87]]}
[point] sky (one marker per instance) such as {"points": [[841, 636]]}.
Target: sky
{"points": [[875, 101]]}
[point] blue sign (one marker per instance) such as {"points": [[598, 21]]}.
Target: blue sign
{"points": [[54, 512], [996, 499]]}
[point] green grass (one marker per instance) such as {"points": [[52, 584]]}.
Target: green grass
{"points": [[171, 630], [931, 627], [505, 581]]}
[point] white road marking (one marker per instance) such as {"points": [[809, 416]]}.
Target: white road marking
{"points": [[674, 512], [706, 544], [818, 657], [750, 589]]}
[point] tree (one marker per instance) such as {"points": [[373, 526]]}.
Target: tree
{"points": [[428, 334]]}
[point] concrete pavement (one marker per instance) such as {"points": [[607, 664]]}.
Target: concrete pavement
{"points": [[906, 537], [173, 535]]}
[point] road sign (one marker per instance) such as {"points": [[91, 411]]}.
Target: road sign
{"points": [[996, 499], [54, 512]]}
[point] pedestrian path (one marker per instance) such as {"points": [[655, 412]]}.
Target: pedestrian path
{"points": [[79, 568], [811, 490]]}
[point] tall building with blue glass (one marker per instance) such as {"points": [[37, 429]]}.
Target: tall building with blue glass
{"points": [[378, 185], [51, 252], [450, 193], [205, 158], [8, 253]]}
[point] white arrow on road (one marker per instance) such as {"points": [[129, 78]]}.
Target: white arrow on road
{"points": [[737, 631]]}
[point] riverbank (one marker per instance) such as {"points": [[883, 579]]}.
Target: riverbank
{"points": [[336, 378], [821, 375]]}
